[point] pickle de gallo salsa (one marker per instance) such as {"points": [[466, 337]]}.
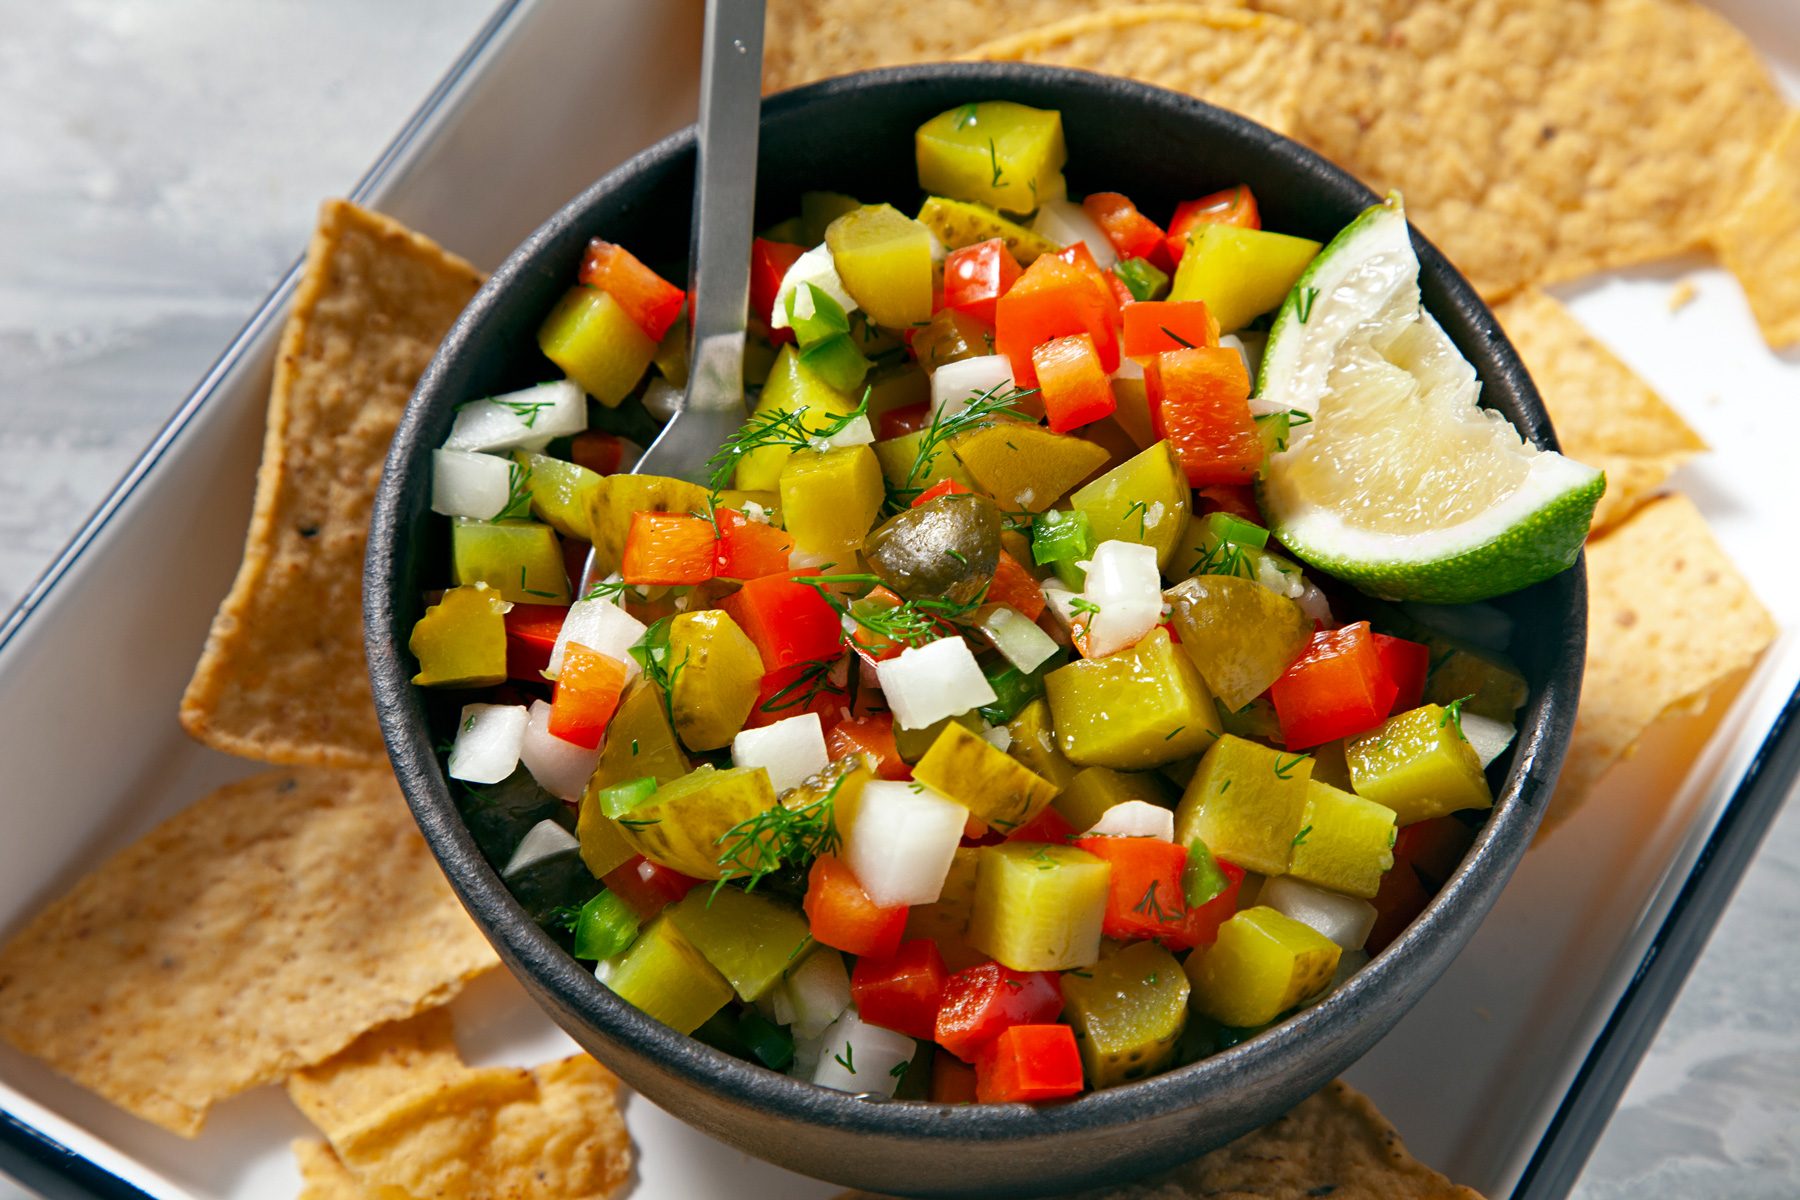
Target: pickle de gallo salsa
{"points": [[967, 736]]}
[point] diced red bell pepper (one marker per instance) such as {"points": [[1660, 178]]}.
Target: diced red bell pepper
{"points": [[749, 549], [1075, 390], [975, 277], [647, 298], [873, 735], [898, 422], [1233, 206], [1079, 256], [1053, 299], [1200, 401], [587, 695], [1016, 587], [1407, 663], [952, 1080], [904, 992], [769, 263], [795, 691], [1434, 848], [1202, 926], [1143, 891], [1337, 688], [598, 451], [984, 1000], [669, 548], [531, 631], [1154, 326], [1132, 234], [789, 622], [1122, 297], [1049, 827], [648, 887], [842, 916], [1238, 499], [1398, 902], [1029, 1063], [938, 490]]}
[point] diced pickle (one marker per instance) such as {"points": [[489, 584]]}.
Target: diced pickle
{"points": [[461, 640], [945, 548], [1345, 843], [684, 825], [1093, 790], [901, 385], [749, 937], [603, 848], [521, 560], [1245, 802], [1134, 709], [914, 743], [883, 257], [1026, 467], [612, 502], [951, 336], [1034, 744], [905, 466], [831, 498], [559, 492], [791, 388], [1241, 635], [841, 782], [946, 919], [1129, 1011], [664, 975], [995, 152], [958, 223], [1494, 688], [818, 210], [1039, 907], [597, 344], [970, 770], [1329, 764], [1238, 272], [1258, 721], [639, 741], [1262, 964], [1144, 499], [1418, 764], [717, 673]]}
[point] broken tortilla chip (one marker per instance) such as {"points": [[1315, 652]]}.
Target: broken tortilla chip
{"points": [[322, 1176], [1335, 1143], [282, 678], [259, 931], [815, 39], [1759, 239], [1251, 63], [1669, 619], [1604, 413], [1539, 140], [383, 1064]]}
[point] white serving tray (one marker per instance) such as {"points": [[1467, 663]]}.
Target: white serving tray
{"points": [[551, 95]]}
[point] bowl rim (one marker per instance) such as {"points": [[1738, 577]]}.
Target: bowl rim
{"points": [[575, 997]]}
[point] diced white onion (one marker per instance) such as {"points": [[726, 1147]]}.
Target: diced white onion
{"points": [[1344, 919], [1135, 818], [1483, 624], [857, 433], [807, 1052], [781, 1005], [1124, 584], [1060, 600], [790, 749], [603, 627], [817, 268], [858, 1057], [901, 841], [1065, 223], [925, 684], [1129, 368], [998, 736], [488, 740], [546, 839], [525, 419], [1249, 347], [938, 253], [470, 485], [561, 768], [802, 560], [955, 384], [819, 991], [1016, 637], [662, 399], [1488, 737]]}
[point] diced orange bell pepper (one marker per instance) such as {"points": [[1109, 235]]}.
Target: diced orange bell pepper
{"points": [[1016, 587], [902, 992], [872, 735], [1338, 687], [669, 548], [586, 696], [988, 998], [1200, 401], [1078, 255], [649, 299], [1029, 1063], [1053, 299], [1075, 390], [648, 887], [938, 490], [842, 916], [1153, 326], [975, 277], [749, 549], [531, 631], [598, 451], [874, 647], [1434, 848], [1143, 893], [1132, 234], [1233, 206], [789, 622]]}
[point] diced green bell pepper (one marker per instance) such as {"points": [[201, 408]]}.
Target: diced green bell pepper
{"points": [[1039, 907], [1144, 500], [521, 560], [1345, 843], [1014, 689], [461, 640], [1141, 278], [1061, 539], [1418, 764], [838, 362], [664, 975], [1128, 1010], [597, 344], [1262, 964], [883, 257], [1245, 802], [970, 770], [606, 927], [1135, 709], [1239, 273], [994, 152], [750, 937], [814, 315]]}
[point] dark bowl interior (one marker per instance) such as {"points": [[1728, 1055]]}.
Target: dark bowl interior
{"points": [[855, 135]]}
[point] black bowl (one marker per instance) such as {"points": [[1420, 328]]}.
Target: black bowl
{"points": [[854, 134]]}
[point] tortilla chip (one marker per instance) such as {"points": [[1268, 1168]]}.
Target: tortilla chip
{"points": [[554, 1131], [282, 678], [1539, 140], [1334, 1144], [382, 1065], [322, 1176], [1669, 618], [1251, 63], [815, 39], [1604, 413], [1759, 240], [258, 932]]}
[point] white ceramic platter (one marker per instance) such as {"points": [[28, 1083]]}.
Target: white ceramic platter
{"points": [[551, 95]]}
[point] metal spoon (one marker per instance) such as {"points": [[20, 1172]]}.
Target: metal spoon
{"points": [[719, 257]]}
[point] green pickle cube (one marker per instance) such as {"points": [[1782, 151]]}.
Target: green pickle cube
{"points": [[1034, 744], [1129, 1011], [597, 344], [831, 498], [461, 640], [946, 919], [1493, 687], [1242, 636], [559, 493], [521, 560], [1418, 764], [1246, 802], [883, 257], [818, 210], [792, 387], [686, 824], [749, 937], [667, 978], [957, 223], [1135, 709], [1026, 468], [1263, 964], [716, 673], [1345, 843], [996, 152], [970, 770], [615, 499], [1144, 499], [1093, 790], [1039, 907], [1239, 273]]}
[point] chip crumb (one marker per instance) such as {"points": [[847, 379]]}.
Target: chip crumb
{"points": [[1682, 295], [1759, 239]]}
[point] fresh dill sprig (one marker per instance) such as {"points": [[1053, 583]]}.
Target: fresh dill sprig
{"points": [[518, 493], [782, 428], [654, 653], [526, 410], [1151, 907], [910, 622], [778, 837], [813, 681], [1001, 400], [1453, 714]]}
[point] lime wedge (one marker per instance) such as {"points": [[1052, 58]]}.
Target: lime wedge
{"points": [[1394, 478]]}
